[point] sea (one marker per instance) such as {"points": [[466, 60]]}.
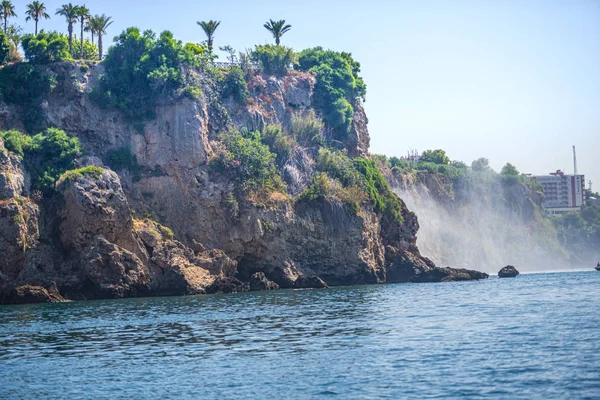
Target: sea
{"points": [[536, 336]]}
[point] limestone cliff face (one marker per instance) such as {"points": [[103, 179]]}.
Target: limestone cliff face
{"points": [[99, 237]]}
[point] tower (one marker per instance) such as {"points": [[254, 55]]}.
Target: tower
{"points": [[574, 162]]}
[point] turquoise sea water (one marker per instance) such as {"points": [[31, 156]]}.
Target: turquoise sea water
{"points": [[535, 336]]}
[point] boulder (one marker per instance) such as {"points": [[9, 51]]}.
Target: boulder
{"points": [[259, 281], [227, 284], [310, 282], [30, 294], [113, 272], [405, 266], [448, 274], [508, 272], [183, 278], [95, 206]]}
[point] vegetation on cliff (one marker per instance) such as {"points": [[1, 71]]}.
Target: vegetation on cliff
{"points": [[47, 155], [579, 231], [140, 68], [338, 87]]}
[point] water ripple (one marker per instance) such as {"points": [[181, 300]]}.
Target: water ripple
{"points": [[536, 336]]}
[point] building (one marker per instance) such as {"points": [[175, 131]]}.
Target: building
{"points": [[562, 193]]}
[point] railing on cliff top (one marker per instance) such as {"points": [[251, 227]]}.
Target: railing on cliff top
{"points": [[226, 64]]}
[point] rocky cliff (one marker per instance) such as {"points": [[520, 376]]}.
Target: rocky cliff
{"points": [[169, 224]]}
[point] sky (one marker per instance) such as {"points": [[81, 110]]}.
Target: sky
{"points": [[510, 80]]}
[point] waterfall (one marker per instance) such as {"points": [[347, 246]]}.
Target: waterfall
{"points": [[478, 230]]}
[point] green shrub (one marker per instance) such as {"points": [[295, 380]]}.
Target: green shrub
{"points": [[45, 47], [234, 84], [16, 141], [278, 142], [90, 50], [47, 155], [4, 49], [324, 187], [338, 85], [509, 175], [25, 83], [140, 69], [250, 162], [73, 174], [435, 156], [193, 92], [384, 200], [123, 159], [320, 188], [273, 59], [307, 129], [339, 166]]}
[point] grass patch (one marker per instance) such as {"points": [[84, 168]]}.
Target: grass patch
{"points": [[89, 171]]}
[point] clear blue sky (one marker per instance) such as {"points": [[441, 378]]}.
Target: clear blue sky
{"points": [[510, 80]]}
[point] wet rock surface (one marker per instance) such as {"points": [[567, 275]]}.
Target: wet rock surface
{"points": [[259, 282], [508, 272], [30, 294], [447, 274], [310, 282]]}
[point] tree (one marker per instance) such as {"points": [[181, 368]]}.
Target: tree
{"points": [[209, 29], [231, 51], [481, 164], [45, 48], [70, 12], [4, 49], [35, 11], [435, 156], [509, 169], [273, 60], [83, 13], [90, 50], [100, 23], [277, 29], [89, 27], [7, 10], [141, 68]]}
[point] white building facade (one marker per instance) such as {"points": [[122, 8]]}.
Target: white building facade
{"points": [[562, 193]]}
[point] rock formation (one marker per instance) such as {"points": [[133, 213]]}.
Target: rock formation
{"points": [[508, 272], [100, 236], [449, 275]]}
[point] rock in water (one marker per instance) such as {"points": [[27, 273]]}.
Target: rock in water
{"points": [[227, 285], [448, 274], [508, 272], [259, 281], [310, 282], [30, 294]]}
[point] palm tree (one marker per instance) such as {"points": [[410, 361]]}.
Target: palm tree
{"points": [[209, 29], [83, 13], [277, 29], [7, 10], [70, 12], [89, 27], [35, 11], [100, 23]]}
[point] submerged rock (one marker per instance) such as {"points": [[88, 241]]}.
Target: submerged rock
{"points": [[310, 282], [508, 272], [448, 274], [259, 281]]}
